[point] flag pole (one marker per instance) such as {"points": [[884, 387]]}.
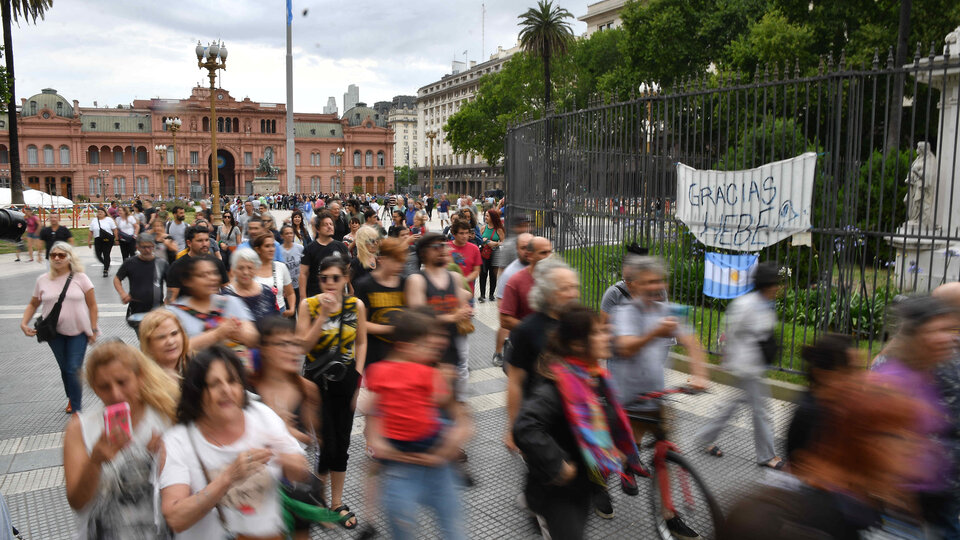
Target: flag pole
{"points": [[291, 149]]}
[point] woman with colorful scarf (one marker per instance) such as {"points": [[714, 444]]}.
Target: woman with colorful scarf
{"points": [[570, 429]]}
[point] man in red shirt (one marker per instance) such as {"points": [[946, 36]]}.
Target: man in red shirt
{"points": [[514, 305], [465, 254]]}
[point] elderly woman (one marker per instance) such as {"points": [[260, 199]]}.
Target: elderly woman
{"points": [[225, 457], [259, 298], [77, 322], [274, 274], [207, 316], [164, 341], [108, 474]]}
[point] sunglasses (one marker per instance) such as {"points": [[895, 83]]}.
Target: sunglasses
{"points": [[58, 256], [331, 279]]}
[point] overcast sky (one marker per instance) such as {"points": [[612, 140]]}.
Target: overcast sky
{"points": [[113, 52]]}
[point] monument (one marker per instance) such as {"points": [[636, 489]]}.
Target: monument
{"points": [[266, 180], [928, 243]]}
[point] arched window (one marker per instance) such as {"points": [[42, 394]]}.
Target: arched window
{"points": [[333, 184], [141, 156], [273, 126], [64, 155], [163, 123], [315, 184], [119, 185], [356, 158], [236, 124], [228, 123], [263, 126], [171, 154], [4, 154], [32, 158], [170, 185], [220, 125], [381, 159], [368, 161], [118, 155], [206, 123], [296, 159], [333, 159], [93, 155], [48, 155]]}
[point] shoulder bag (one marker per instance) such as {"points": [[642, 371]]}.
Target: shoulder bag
{"points": [[46, 327], [103, 235], [330, 366]]}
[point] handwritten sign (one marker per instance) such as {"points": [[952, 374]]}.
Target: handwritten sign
{"points": [[747, 210]]}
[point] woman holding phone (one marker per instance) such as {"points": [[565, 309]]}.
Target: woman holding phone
{"points": [[108, 469]]}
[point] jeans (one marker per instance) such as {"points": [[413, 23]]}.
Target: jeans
{"points": [[406, 487], [487, 269], [69, 352]]}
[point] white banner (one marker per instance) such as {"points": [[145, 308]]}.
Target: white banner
{"points": [[747, 210]]}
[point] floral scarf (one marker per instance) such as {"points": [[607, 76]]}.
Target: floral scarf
{"points": [[600, 443]]}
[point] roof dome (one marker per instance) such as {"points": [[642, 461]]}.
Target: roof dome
{"points": [[359, 114], [48, 98]]}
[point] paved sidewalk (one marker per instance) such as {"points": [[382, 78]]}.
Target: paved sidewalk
{"points": [[32, 423]]}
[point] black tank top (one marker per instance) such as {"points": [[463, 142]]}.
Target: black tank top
{"points": [[445, 301]]}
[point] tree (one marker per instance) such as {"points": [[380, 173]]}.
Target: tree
{"points": [[15, 10], [545, 32], [404, 177]]}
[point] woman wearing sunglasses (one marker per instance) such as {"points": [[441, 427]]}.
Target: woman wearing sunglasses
{"points": [[77, 322], [333, 327]]}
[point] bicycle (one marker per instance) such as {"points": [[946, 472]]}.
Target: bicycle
{"points": [[688, 496]]}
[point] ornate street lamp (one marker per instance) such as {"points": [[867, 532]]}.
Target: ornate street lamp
{"points": [[213, 57], [431, 135], [161, 155], [173, 125], [101, 174], [341, 169]]}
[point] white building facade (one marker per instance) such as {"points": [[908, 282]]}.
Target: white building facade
{"points": [[603, 15], [406, 150]]}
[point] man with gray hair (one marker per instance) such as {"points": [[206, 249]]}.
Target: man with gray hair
{"points": [[556, 286], [147, 275]]}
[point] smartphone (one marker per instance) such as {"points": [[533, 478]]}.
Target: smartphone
{"points": [[415, 230], [118, 416]]}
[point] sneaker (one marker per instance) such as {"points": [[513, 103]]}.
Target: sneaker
{"points": [[481, 299], [628, 484], [601, 504], [680, 530], [497, 359]]}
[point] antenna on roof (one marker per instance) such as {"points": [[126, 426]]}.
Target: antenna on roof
{"points": [[483, 25]]}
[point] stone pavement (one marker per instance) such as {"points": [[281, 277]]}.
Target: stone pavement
{"points": [[32, 423]]}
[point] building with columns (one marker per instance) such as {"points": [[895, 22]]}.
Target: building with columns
{"points": [[436, 102], [103, 153], [603, 15]]}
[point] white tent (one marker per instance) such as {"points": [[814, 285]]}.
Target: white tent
{"points": [[32, 197]]}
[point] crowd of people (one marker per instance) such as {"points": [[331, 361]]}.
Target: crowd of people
{"points": [[259, 342]]}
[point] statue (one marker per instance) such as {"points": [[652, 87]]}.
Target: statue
{"points": [[268, 154], [922, 180], [266, 169]]}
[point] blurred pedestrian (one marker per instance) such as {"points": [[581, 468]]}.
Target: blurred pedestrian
{"points": [[102, 236], [381, 292], [76, 320], [260, 299], [147, 275], [274, 274], [164, 341]]}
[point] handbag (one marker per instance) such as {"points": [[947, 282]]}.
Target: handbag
{"points": [[486, 251], [330, 366], [103, 235], [46, 327]]}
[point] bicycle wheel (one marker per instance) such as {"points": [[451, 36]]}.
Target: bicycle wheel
{"points": [[693, 502]]}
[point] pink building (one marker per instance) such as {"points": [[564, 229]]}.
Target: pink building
{"points": [[100, 152]]}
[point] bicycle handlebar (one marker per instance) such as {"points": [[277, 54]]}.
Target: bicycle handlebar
{"points": [[678, 390]]}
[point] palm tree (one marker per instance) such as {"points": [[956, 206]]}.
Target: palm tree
{"points": [[16, 10], [545, 32]]}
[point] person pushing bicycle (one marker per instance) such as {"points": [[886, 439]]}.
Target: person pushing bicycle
{"points": [[644, 330]]}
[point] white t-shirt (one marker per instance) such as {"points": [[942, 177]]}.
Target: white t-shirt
{"points": [[282, 275], [251, 507], [128, 225], [106, 223]]}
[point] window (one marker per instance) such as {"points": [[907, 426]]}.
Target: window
{"points": [[142, 185], [93, 155], [59, 108], [163, 123], [48, 155], [116, 125], [273, 126], [220, 125], [313, 131], [94, 186], [333, 159], [118, 155], [315, 184], [228, 124], [333, 184], [296, 159], [381, 159], [263, 126], [64, 155], [170, 184], [194, 157], [4, 155], [119, 185], [5, 182], [356, 158], [236, 125], [93, 125], [248, 159], [141, 156], [206, 123], [368, 161], [171, 155], [33, 107], [32, 155]]}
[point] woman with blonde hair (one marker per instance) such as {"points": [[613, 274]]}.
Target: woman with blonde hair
{"points": [[76, 321], [108, 474], [367, 245], [163, 340]]}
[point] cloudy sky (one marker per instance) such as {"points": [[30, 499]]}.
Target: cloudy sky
{"points": [[112, 51]]}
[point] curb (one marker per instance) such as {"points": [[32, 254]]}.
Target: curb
{"points": [[781, 390]]}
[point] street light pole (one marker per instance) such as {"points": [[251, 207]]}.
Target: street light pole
{"points": [[173, 124], [101, 173], [213, 57], [161, 155], [340, 168], [431, 135]]}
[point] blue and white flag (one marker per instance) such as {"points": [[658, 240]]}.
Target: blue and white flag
{"points": [[728, 276]]}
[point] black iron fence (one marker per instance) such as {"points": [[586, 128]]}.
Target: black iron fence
{"points": [[883, 221]]}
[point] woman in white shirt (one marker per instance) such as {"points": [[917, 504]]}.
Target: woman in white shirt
{"points": [[274, 274], [108, 476], [103, 232], [225, 457], [129, 228]]}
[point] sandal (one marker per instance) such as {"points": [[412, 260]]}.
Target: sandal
{"points": [[344, 518], [714, 451], [777, 467]]}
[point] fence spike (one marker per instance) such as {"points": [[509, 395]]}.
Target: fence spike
{"points": [[820, 67], [876, 59], [756, 75], [916, 55], [843, 60], [632, 95], [889, 57], [829, 62], [933, 49], [776, 71], [796, 68]]}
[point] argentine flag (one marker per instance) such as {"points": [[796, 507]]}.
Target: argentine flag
{"points": [[728, 276]]}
